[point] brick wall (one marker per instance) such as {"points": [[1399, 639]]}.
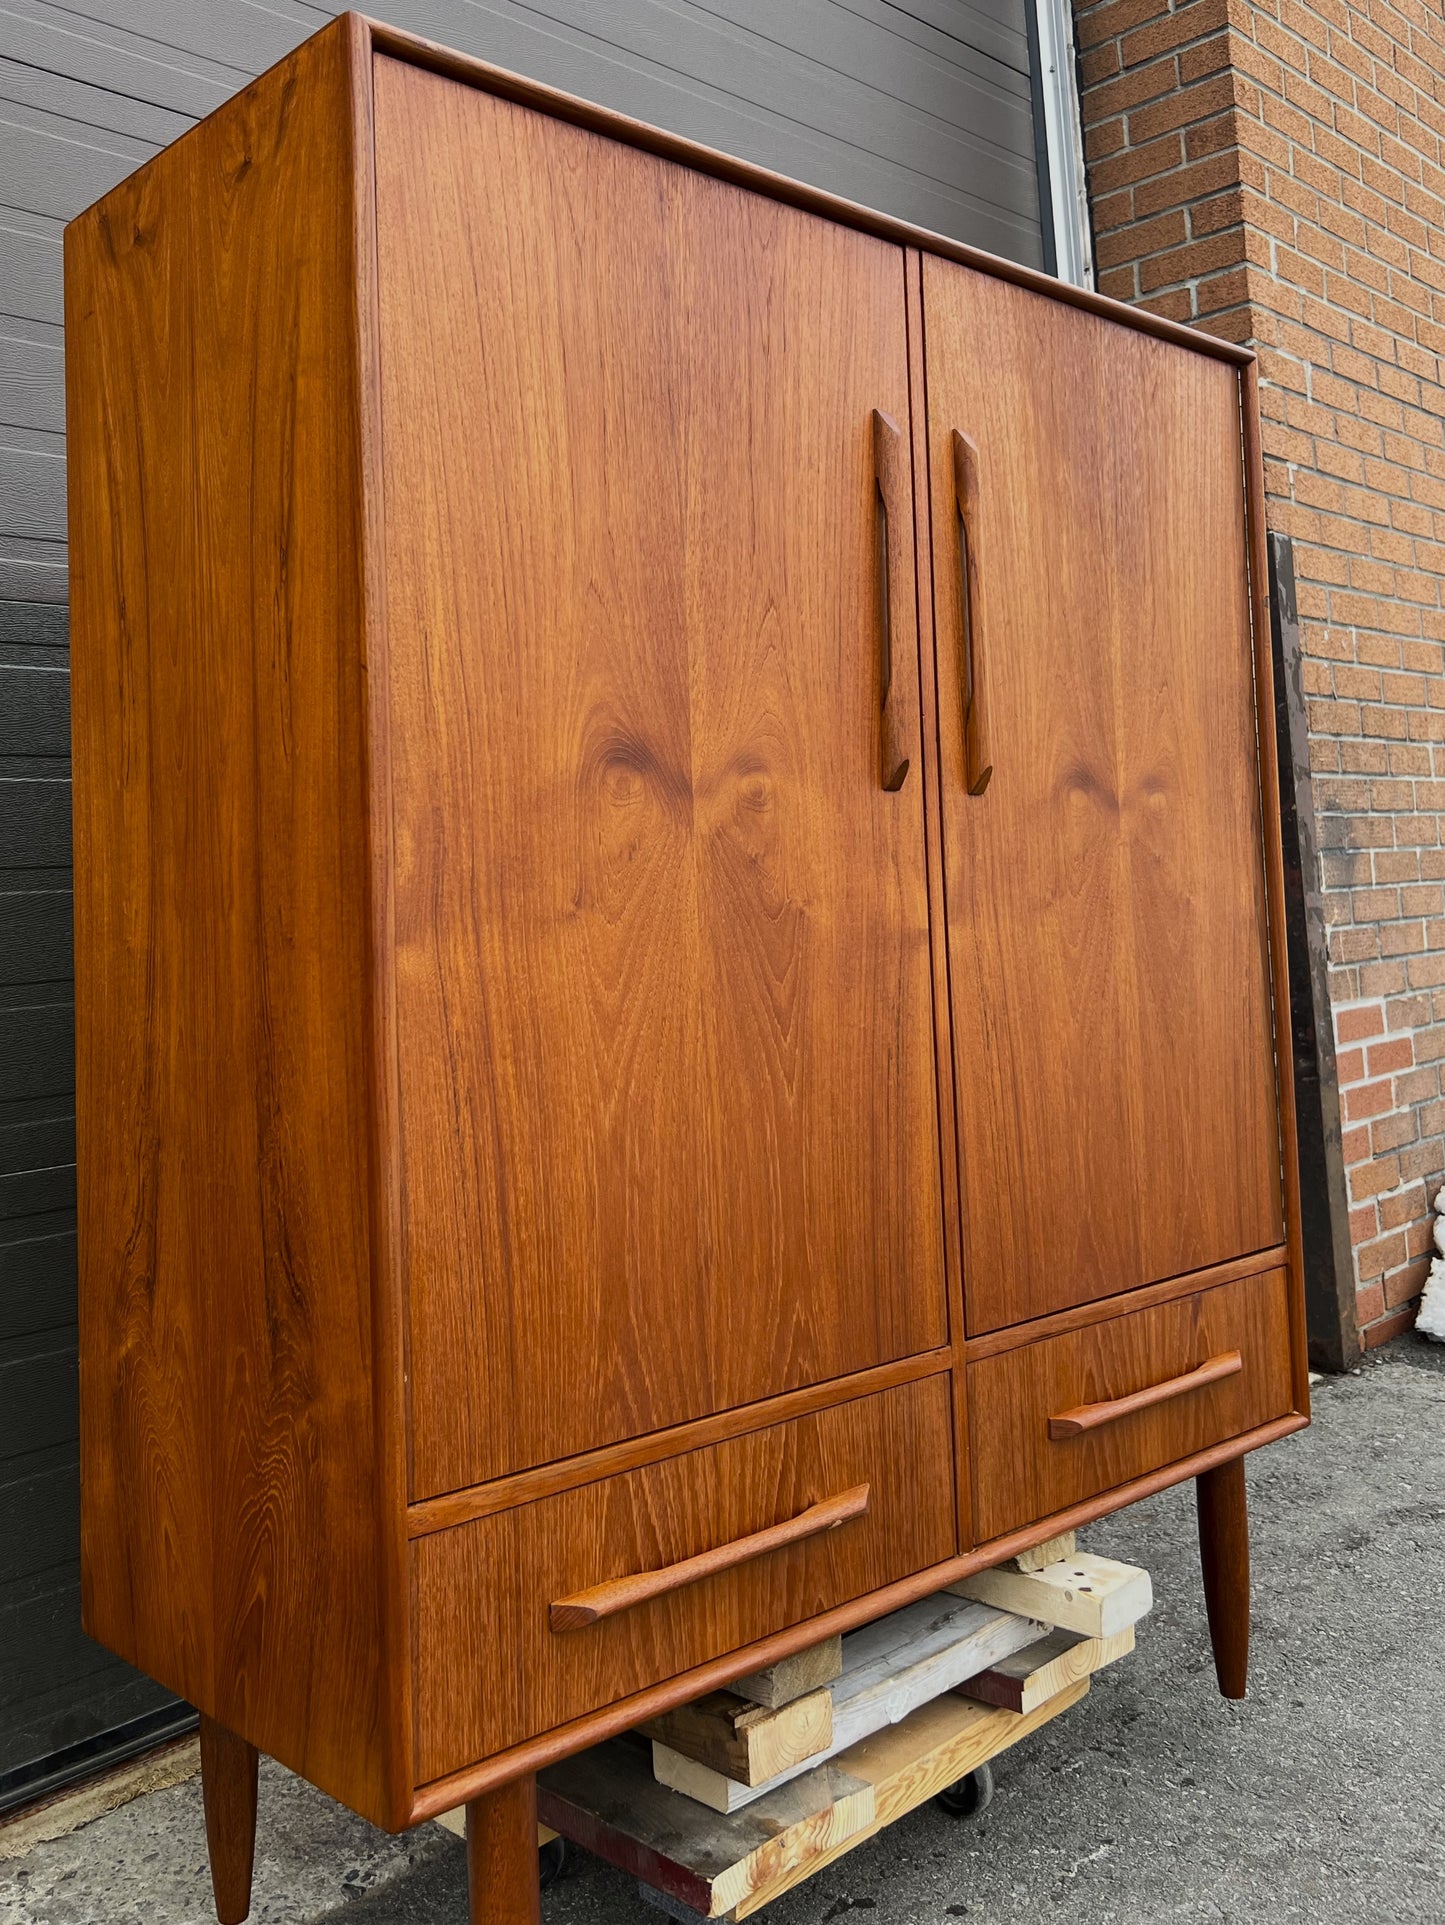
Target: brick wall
{"points": [[1275, 172]]}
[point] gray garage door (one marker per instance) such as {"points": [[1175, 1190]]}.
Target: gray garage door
{"points": [[924, 109]]}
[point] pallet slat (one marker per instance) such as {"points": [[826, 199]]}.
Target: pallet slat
{"points": [[912, 1762], [607, 1801], [793, 1677], [889, 1669], [1034, 1675], [745, 1742], [1095, 1596]]}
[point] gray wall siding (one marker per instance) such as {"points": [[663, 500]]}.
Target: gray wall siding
{"points": [[923, 109]]}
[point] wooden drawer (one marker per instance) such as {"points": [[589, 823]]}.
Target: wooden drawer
{"points": [[1022, 1472], [490, 1668]]}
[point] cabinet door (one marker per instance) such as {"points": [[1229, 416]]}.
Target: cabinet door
{"points": [[668, 1113], [1105, 899]]}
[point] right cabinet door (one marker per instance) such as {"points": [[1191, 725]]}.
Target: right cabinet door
{"points": [[1105, 895]]}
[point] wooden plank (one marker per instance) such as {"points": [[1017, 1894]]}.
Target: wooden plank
{"points": [[1093, 1595], [1049, 1552], [746, 1742], [889, 1669], [778, 1684], [607, 1801], [1039, 1672], [907, 1765]]}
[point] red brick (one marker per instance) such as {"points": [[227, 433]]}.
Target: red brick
{"points": [[1398, 1053], [1353, 1025]]}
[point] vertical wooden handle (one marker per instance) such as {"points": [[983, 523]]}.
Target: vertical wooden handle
{"points": [[899, 704], [978, 764]]}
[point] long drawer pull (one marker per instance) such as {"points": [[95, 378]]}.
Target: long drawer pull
{"points": [[1072, 1423], [978, 763], [621, 1593], [899, 675]]}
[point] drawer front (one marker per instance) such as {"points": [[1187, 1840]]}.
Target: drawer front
{"points": [[1022, 1472], [490, 1669]]}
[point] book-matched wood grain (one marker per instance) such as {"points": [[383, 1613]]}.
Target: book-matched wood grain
{"points": [[668, 1119], [489, 1669], [1022, 1472], [230, 1531], [561, 965], [1106, 902]]}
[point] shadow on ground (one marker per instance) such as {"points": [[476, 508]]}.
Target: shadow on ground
{"points": [[1320, 1799]]}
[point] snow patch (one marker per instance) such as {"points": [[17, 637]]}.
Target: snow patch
{"points": [[1431, 1320]]}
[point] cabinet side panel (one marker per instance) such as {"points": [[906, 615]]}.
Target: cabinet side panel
{"points": [[222, 901]]}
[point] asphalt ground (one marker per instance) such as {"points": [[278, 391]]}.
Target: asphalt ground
{"points": [[1321, 1798]]}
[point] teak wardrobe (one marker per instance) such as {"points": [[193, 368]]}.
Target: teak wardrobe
{"points": [[679, 962]]}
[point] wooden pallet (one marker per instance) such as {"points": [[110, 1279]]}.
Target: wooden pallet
{"points": [[922, 1699], [726, 1866]]}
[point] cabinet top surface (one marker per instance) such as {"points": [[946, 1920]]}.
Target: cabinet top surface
{"points": [[370, 35], [551, 100]]}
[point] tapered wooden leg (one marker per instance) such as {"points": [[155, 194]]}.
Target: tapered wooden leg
{"points": [[502, 1880], [228, 1788], [1224, 1553]]}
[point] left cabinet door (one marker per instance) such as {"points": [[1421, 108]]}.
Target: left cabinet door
{"points": [[668, 1133]]}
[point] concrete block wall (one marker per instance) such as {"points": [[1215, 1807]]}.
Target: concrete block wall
{"points": [[1275, 171]]}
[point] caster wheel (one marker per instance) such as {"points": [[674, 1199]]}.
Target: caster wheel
{"points": [[551, 1857], [970, 1795]]}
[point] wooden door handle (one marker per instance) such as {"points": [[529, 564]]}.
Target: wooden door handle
{"points": [[978, 764], [621, 1593], [894, 573], [1071, 1423]]}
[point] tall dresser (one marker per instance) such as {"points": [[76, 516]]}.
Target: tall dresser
{"points": [[681, 999]]}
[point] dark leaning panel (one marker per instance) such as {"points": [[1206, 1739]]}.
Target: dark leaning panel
{"points": [[923, 110]]}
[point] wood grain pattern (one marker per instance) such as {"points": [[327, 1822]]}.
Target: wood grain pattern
{"points": [[608, 1802], [994, 1342], [230, 1534], [1106, 906], [483, 1500], [490, 910], [1030, 1677], [1073, 1423], [640, 1587], [662, 940], [489, 1671], [937, 919], [1096, 1596], [1022, 1473], [1224, 1556], [593, 1727], [890, 1667], [909, 1763], [779, 1684], [897, 604], [746, 1742], [567, 108], [228, 1789], [1269, 781], [967, 490], [503, 1886]]}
